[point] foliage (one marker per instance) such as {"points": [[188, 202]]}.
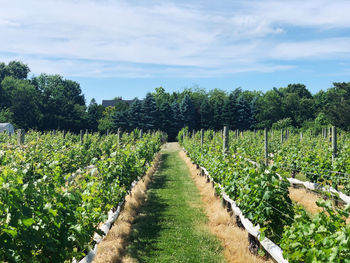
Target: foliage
{"points": [[263, 195], [108, 119], [51, 204], [323, 238], [149, 113], [6, 115], [282, 124], [188, 112], [58, 103], [257, 192]]}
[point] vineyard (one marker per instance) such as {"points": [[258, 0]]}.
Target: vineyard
{"points": [[257, 182], [57, 188]]}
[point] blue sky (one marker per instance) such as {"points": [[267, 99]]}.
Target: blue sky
{"points": [[128, 48]]}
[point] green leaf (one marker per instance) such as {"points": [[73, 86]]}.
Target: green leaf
{"points": [[12, 232], [28, 222]]}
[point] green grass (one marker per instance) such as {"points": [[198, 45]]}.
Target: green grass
{"points": [[172, 225]]}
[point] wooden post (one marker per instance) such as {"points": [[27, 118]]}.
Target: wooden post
{"points": [[301, 135], [20, 136], [330, 133], [334, 156], [266, 148], [81, 137], [118, 136], [54, 132], [107, 132], [64, 134], [334, 143], [281, 136], [202, 137], [141, 133], [225, 140]]}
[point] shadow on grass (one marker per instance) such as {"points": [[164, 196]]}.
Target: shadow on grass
{"points": [[148, 225]]}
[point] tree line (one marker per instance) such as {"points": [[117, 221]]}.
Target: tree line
{"points": [[48, 102], [44, 102]]}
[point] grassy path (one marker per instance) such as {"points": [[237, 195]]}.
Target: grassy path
{"points": [[172, 226]]}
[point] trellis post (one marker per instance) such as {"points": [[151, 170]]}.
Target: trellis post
{"points": [[202, 137], [225, 140], [266, 147], [20, 136], [81, 137]]}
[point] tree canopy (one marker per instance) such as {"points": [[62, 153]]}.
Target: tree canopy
{"points": [[47, 102]]}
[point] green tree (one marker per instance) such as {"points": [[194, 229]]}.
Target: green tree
{"points": [[134, 115], [206, 115], [15, 69], [62, 103], [338, 105], [217, 98], [94, 113], [22, 99], [230, 113], [6, 115], [269, 108], [166, 120], [177, 118], [149, 113], [160, 96], [244, 114], [108, 120], [188, 112]]}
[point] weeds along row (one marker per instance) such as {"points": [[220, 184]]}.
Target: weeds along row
{"points": [[56, 188], [262, 194]]}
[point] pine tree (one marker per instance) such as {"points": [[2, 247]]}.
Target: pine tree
{"points": [[229, 113], [254, 112], [188, 112], [134, 114], [217, 116], [165, 116], [206, 115], [177, 117], [244, 114], [121, 120], [94, 113], [149, 115]]}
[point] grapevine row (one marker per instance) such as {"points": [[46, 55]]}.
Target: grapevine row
{"points": [[263, 198], [43, 218]]}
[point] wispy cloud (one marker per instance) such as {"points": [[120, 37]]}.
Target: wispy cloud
{"points": [[145, 39]]}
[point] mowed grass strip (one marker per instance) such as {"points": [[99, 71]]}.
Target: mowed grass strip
{"points": [[172, 226]]}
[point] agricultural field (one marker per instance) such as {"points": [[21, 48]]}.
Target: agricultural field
{"points": [[56, 189], [264, 194]]}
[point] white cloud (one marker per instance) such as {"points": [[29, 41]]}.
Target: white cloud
{"points": [[331, 48], [323, 14], [126, 38]]}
